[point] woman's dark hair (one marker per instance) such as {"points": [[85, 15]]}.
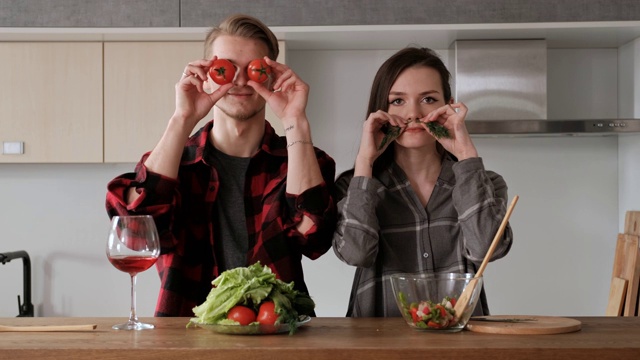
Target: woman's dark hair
{"points": [[387, 75]]}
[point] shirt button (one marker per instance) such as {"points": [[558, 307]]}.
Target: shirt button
{"points": [[212, 188], [425, 255]]}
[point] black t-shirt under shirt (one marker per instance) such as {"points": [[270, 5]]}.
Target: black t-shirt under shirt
{"points": [[232, 240]]}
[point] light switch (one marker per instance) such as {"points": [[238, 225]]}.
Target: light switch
{"points": [[13, 147]]}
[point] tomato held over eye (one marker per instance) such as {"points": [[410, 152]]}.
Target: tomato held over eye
{"points": [[241, 314], [267, 314], [222, 71], [258, 70]]}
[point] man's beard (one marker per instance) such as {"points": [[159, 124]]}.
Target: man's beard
{"points": [[240, 114]]}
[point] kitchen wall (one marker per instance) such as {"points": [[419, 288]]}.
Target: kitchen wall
{"points": [[629, 146], [565, 224]]}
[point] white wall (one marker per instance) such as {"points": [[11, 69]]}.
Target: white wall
{"points": [[565, 223], [56, 213], [629, 145]]}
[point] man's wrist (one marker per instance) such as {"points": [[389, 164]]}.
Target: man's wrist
{"points": [[180, 124]]}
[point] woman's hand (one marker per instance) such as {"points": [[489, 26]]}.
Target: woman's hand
{"points": [[192, 101], [372, 137], [452, 116]]}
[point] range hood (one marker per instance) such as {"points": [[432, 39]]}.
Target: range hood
{"points": [[504, 84]]}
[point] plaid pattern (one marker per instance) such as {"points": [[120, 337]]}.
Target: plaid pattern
{"points": [[383, 229], [184, 211]]}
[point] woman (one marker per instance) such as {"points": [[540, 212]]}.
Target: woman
{"points": [[422, 202]]}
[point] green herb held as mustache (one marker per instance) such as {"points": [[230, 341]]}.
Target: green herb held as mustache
{"points": [[438, 131], [392, 132]]}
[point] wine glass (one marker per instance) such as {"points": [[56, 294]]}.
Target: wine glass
{"points": [[133, 247]]}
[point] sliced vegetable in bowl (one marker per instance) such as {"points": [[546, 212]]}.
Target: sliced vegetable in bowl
{"points": [[427, 301], [427, 314]]}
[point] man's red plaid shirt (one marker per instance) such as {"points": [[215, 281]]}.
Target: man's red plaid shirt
{"points": [[184, 213]]}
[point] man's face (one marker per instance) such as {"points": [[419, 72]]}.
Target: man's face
{"points": [[241, 102]]}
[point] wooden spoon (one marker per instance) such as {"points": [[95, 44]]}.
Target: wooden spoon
{"points": [[48, 327], [465, 297]]}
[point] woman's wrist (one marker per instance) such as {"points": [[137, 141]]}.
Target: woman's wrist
{"points": [[467, 154], [363, 166]]}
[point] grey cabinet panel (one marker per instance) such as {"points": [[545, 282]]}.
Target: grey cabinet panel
{"points": [[89, 13], [199, 13], [205, 13]]}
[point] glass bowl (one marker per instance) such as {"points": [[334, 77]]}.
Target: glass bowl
{"points": [[426, 301]]}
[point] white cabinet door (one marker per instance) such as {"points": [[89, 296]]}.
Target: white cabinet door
{"points": [[139, 87], [51, 101]]}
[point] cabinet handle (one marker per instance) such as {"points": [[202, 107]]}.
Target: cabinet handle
{"points": [[13, 147]]}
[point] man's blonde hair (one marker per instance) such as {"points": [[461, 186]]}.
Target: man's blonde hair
{"points": [[244, 26]]}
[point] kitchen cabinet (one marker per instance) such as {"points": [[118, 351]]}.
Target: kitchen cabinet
{"points": [[141, 67], [198, 13], [76, 14], [139, 87], [139, 93], [51, 101], [56, 105]]}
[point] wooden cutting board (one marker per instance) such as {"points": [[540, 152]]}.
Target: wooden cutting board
{"points": [[626, 265], [537, 325]]}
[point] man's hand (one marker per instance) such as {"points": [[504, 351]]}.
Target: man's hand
{"points": [[192, 101], [288, 100]]}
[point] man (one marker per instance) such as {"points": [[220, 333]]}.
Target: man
{"points": [[234, 193]]}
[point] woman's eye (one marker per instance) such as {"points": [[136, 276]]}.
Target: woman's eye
{"points": [[396, 102], [429, 100]]}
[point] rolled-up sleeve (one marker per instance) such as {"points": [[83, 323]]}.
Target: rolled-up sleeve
{"points": [[155, 191], [480, 199], [355, 240], [317, 203], [158, 198]]}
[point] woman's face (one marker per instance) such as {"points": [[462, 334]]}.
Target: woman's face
{"points": [[416, 92]]}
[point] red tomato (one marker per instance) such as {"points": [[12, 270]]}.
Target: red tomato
{"points": [[222, 71], [267, 314], [258, 70], [434, 324], [453, 301], [414, 315], [443, 312], [242, 314]]}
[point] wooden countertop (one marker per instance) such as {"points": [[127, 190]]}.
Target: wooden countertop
{"points": [[322, 338]]}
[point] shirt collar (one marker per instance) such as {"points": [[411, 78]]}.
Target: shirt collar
{"points": [[195, 147], [393, 170]]}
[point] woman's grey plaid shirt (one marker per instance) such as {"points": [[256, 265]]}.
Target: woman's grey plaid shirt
{"points": [[384, 229]]}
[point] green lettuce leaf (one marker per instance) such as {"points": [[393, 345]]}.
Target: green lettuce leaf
{"points": [[250, 286]]}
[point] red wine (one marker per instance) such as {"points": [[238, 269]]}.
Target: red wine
{"points": [[132, 264]]}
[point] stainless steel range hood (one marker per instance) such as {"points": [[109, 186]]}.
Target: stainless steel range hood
{"points": [[553, 127], [504, 84]]}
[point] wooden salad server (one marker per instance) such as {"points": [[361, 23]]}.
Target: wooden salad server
{"points": [[39, 328], [463, 300]]}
